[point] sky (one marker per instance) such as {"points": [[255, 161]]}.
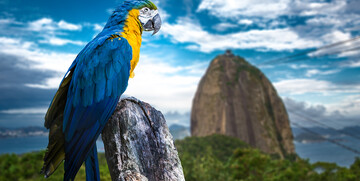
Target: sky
{"points": [[39, 40]]}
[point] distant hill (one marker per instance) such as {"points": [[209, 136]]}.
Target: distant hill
{"points": [[326, 133], [179, 132], [236, 99]]}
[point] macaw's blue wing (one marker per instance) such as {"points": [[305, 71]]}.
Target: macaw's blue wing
{"points": [[101, 73]]}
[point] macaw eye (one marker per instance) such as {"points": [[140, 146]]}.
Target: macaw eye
{"points": [[146, 10]]}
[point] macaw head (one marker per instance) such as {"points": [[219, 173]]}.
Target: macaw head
{"points": [[147, 14]]}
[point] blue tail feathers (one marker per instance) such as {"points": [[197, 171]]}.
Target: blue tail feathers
{"points": [[92, 166]]}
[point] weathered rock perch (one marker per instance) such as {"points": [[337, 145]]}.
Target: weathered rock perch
{"points": [[138, 144]]}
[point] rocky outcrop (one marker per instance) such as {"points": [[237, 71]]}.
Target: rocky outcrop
{"points": [[138, 144], [236, 99]]}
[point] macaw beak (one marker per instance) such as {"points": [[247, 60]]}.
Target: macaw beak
{"points": [[153, 24]]}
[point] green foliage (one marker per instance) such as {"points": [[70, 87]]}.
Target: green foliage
{"points": [[205, 158], [211, 158], [27, 167], [251, 164], [222, 158], [221, 146]]}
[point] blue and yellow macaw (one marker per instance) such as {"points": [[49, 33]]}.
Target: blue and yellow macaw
{"points": [[91, 88]]}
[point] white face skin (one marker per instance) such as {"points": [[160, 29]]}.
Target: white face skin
{"points": [[146, 14]]}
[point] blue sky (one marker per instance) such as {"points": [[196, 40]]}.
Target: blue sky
{"points": [[39, 39]]}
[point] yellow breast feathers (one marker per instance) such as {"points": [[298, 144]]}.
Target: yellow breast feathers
{"points": [[132, 32]]}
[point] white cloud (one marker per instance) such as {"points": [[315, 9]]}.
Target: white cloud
{"points": [[49, 29], [9, 21], [186, 31], [351, 63], [50, 83], [45, 30], [312, 72], [235, 8], [68, 26], [350, 52], [246, 21], [47, 24], [163, 85], [25, 111], [98, 27], [224, 26], [303, 86], [334, 115], [344, 49], [44, 59], [325, 17], [9, 41], [5, 21], [349, 105], [60, 41], [299, 66], [163, 14], [42, 24], [325, 20], [336, 36], [310, 8], [270, 8]]}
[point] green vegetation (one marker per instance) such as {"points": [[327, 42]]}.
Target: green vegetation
{"points": [[215, 157], [211, 158], [27, 167], [243, 66]]}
